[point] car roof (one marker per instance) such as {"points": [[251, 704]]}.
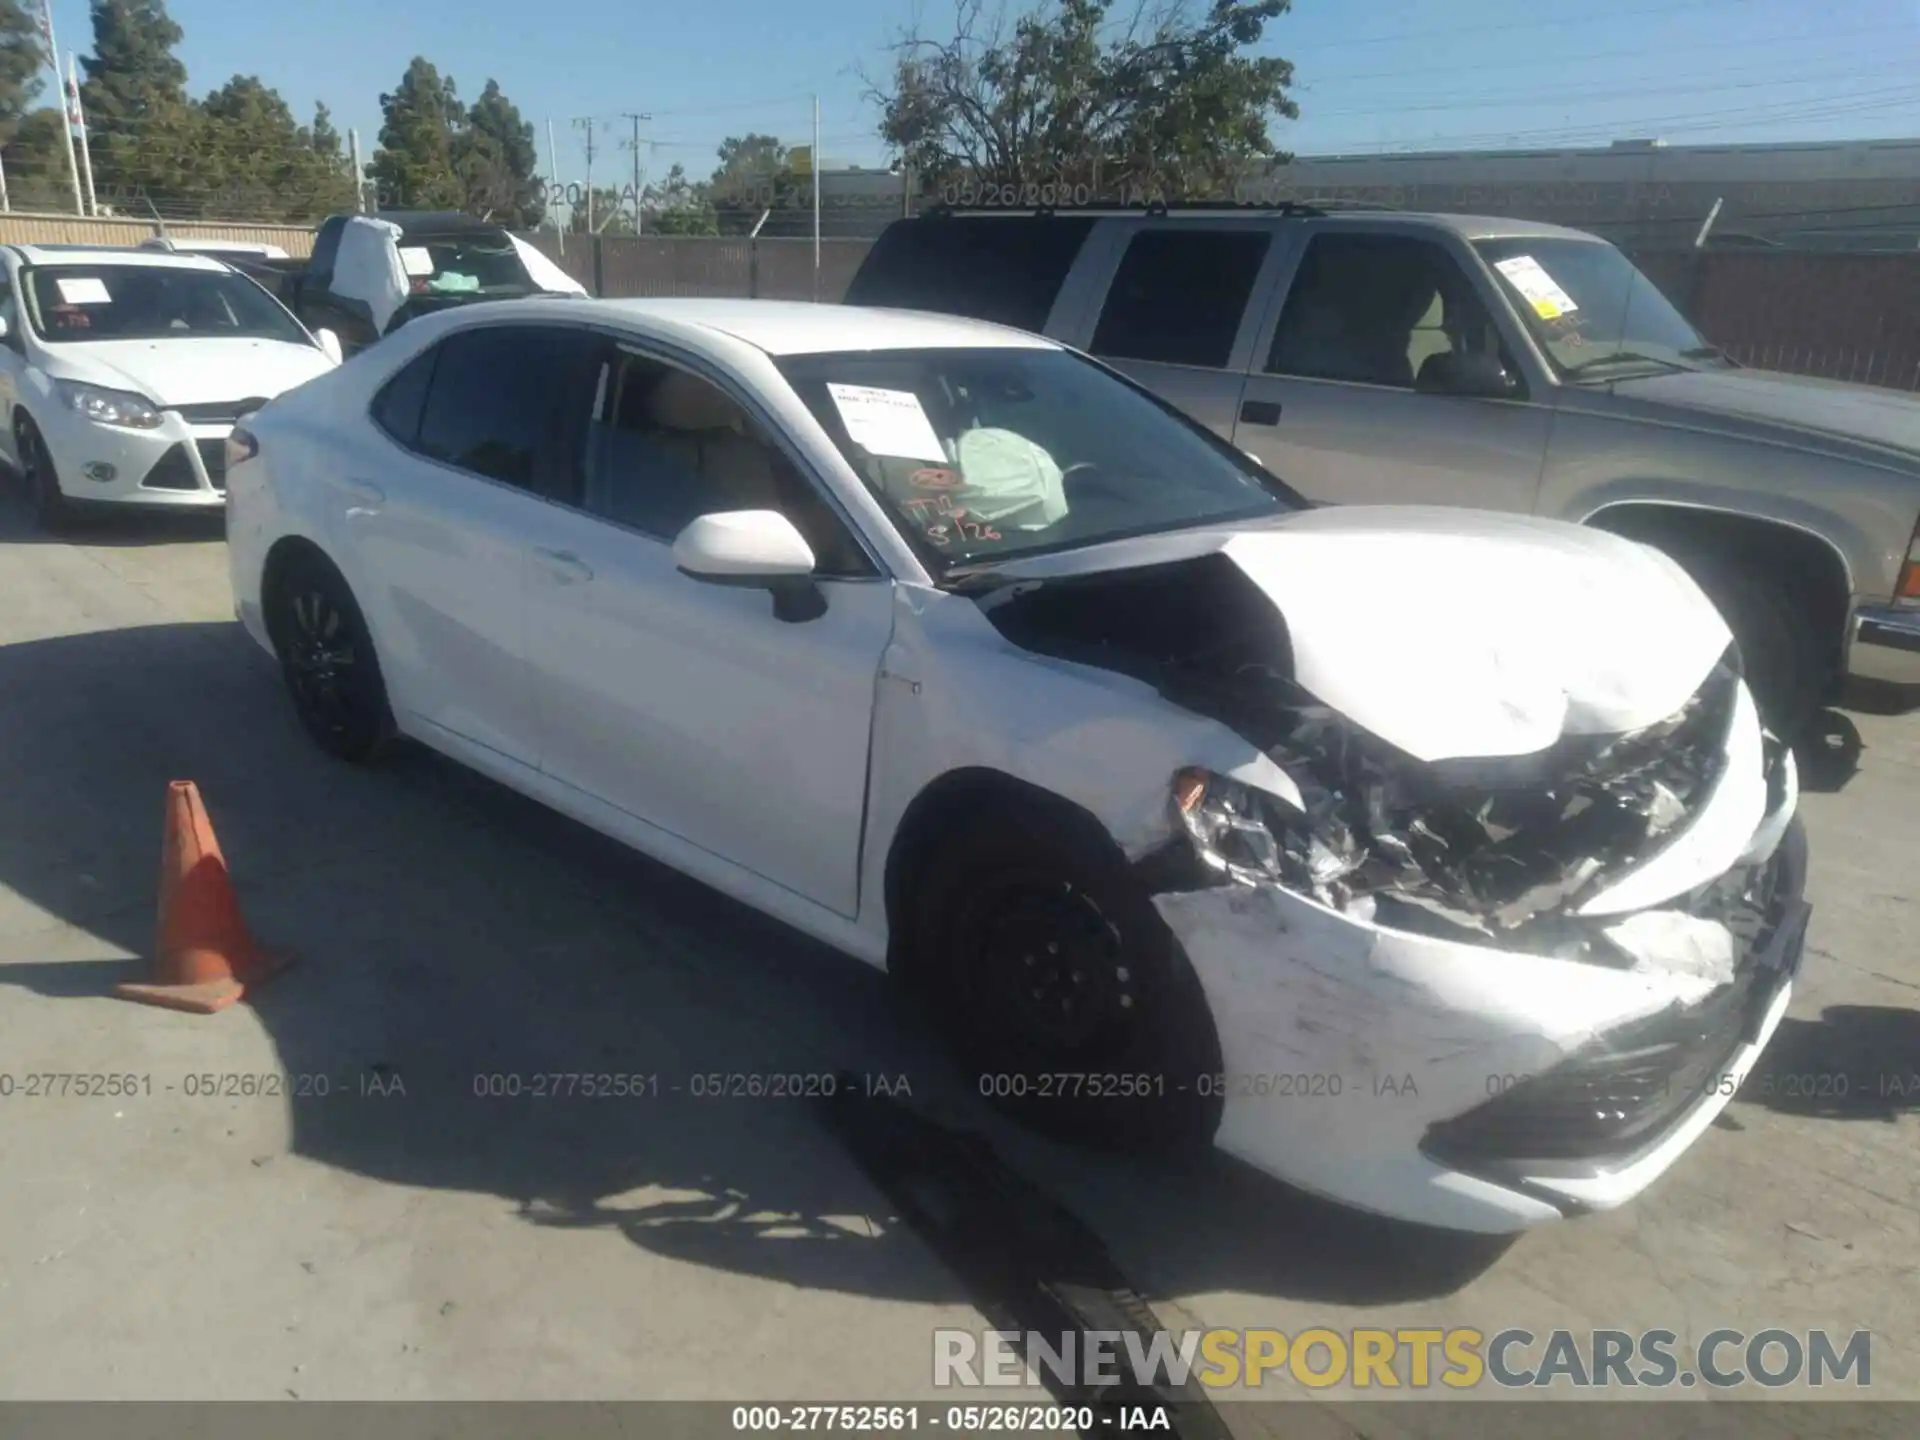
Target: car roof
{"points": [[800, 327], [1469, 227], [438, 222], [107, 255]]}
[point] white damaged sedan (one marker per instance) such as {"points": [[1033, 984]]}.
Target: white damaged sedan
{"points": [[1433, 861]]}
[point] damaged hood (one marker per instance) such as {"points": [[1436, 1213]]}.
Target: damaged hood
{"points": [[1459, 634]]}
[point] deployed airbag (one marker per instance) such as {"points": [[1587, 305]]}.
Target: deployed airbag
{"points": [[368, 268]]}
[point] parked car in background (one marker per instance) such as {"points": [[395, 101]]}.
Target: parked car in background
{"points": [[122, 372], [964, 654], [222, 249], [371, 274], [1501, 364]]}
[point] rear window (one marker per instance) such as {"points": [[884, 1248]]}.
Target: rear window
{"points": [[1005, 270]]}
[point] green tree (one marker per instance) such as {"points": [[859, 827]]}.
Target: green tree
{"points": [[36, 160], [1167, 103], [414, 167], [29, 138], [612, 213], [326, 139], [268, 165], [755, 173], [678, 205], [496, 159], [23, 60], [143, 131]]}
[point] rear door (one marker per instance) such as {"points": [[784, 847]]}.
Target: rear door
{"points": [[1007, 269], [1177, 310], [435, 522], [1331, 406]]}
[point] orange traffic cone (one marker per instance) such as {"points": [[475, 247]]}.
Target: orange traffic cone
{"points": [[205, 958]]}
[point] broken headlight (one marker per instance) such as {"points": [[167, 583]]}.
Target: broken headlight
{"points": [[1250, 835]]}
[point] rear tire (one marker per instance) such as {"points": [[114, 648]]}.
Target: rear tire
{"points": [[1063, 995], [328, 662]]}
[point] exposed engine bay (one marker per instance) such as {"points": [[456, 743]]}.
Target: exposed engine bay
{"points": [[1500, 851]]}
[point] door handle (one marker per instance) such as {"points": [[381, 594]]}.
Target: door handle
{"points": [[565, 566], [1260, 412]]}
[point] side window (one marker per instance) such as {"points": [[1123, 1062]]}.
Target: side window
{"points": [[1179, 295], [1007, 269], [665, 447], [1376, 309], [326, 244], [496, 405], [401, 401]]}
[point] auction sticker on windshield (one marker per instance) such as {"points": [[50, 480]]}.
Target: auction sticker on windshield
{"points": [[1536, 286], [415, 260], [887, 422], [85, 290]]}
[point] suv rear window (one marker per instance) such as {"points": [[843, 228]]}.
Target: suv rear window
{"points": [[1003, 269]]}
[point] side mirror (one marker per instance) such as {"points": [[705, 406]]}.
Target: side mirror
{"points": [[757, 549], [1481, 376], [330, 343]]}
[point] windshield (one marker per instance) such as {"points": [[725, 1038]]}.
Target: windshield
{"points": [[464, 265], [982, 455], [1591, 309], [153, 302]]}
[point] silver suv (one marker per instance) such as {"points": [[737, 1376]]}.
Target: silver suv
{"points": [[1368, 357]]}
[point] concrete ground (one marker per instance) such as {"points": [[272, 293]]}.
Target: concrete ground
{"points": [[402, 1237]]}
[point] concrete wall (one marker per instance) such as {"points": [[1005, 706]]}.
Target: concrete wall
{"points": [[18, 228]]}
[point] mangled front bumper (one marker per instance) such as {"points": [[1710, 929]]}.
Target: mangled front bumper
{"points": [[1482, 1088]]}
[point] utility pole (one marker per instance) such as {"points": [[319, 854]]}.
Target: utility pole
{"points": [[639, 224], [587, 125], [359, 175], [66, 128], [553, 161]]}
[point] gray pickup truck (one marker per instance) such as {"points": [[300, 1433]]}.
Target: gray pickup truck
{"points": [[1369, 357]]}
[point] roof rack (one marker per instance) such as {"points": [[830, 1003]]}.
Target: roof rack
{"points": [[1152, 207]]}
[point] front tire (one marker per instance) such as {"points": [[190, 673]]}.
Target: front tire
{"points": [[328, 662], [53, 512], [1063, 995], [1779, 649]]}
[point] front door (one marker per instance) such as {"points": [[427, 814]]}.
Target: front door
{"points": [[1332, 407], [690, 705]]}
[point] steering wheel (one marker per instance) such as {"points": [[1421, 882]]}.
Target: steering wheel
{"points": [[1084, 467]]}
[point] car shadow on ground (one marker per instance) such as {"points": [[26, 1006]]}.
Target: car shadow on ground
{"points": [[125, 526], [1856, 1062], [464, 940], [1828, 754]]}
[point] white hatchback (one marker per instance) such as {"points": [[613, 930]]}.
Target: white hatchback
{"points": [[1432, 860], [122, 372]]}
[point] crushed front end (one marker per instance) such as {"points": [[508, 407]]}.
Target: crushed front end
{"points": [[1487, 992]]}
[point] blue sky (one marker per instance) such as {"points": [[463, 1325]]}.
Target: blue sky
{"points": [[1396, 74]]}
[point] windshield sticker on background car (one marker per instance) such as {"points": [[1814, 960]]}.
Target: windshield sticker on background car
{"points": [[1536, 287], [416, 260], [887, 422], [84, 290]]}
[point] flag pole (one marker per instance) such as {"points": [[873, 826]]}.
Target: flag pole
{"points": [[78, 116], [66, 130]]}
